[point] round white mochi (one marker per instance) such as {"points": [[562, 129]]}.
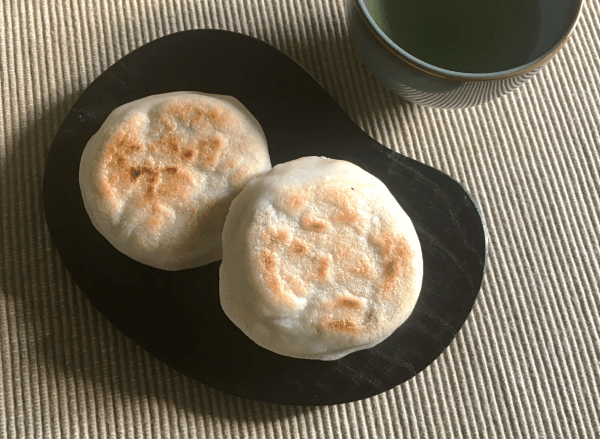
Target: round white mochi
{"points": [[158, 177], [319, 260]]}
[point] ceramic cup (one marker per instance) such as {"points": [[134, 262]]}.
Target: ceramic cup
{"points": [[426, 84]]}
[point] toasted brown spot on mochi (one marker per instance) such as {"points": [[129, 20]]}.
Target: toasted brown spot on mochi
{"points": [[345, 200], [283, 235], [135, 173], [178, 119], [189, 154], [265, 238], [240, 177], [148, 173], [362, 268], [296, 201], [323, 267], [369, 317], [351, 262], [166, 120], [396, 268], [219, 117], [299, 247], [267, 266], [349, 302], [169, 142], [155, 221], [314, 224], [157, 217], [174, 183], [398, 255], [157, 183], [347, 215], [269, 270], [209, 150], [295, 284], [173, 122], [341, 325], [342, 314], [385, 242], [188, 113], [275, 236], [119, 146], [111, 180], [132, 148]]}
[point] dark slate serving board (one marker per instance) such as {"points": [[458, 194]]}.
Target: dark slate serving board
{"points": [[176, 316]]}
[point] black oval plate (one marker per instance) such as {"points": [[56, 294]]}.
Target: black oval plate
{"points": [[176, 316]]}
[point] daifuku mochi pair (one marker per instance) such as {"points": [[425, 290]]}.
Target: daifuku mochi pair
{"points": [[318, 258]]}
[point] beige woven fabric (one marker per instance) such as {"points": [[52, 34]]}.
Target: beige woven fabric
{"points": [[524, 365]]}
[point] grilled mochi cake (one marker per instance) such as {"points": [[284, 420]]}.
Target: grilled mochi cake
{"points": [[319, 260], [158, 177]]}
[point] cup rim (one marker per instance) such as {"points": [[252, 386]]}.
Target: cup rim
{"points": [[407, 58]]}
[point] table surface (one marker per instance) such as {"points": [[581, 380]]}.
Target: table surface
{"points": [[524, 365]]}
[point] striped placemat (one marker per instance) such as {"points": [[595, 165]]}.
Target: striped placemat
{"points": [[524, 365]]}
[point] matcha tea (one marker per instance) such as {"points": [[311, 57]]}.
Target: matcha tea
{"points": [[471, 36]]}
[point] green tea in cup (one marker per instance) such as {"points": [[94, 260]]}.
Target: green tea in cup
{"points": [[471, 36], [458, 53]]}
